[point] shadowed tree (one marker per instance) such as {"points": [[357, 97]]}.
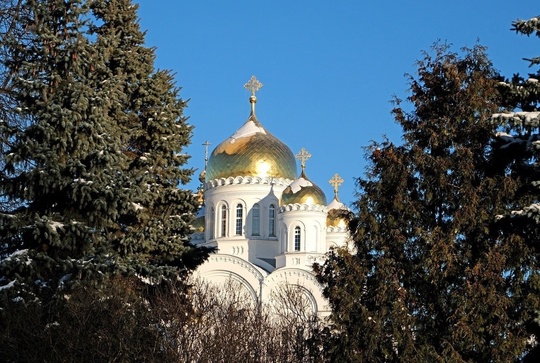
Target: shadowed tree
{"points": [[93, 173], [433, 279], [517, 150]]}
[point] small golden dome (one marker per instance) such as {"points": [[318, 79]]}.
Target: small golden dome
{"points": [[303, 191], [198, 223], [338, 217], [202, 176], [200, 196], [338, 213]]}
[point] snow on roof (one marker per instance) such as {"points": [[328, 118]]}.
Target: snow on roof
{"points": [[336, 204], [248, 129], [300, 183]]}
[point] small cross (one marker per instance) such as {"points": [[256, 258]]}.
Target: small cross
{"points": [[253, 85], [336, 181], [303, 156], [206, 144]]}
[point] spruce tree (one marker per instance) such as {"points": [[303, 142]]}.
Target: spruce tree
{"points": [[517, 150], [94, 169], [156, 132], [433, 279], [10, 28]]}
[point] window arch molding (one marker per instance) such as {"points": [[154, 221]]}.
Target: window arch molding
{"points": [[211, 221], [297, 236], [256, 220], [238, 218], [222, 217], [272, 220]]}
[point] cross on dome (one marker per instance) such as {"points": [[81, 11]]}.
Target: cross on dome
{"points": [[303, 156], [253, 85], [336, 181], [206, 144]]}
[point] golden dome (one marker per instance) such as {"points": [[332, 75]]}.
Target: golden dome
{"points": [[338, 217], [202, 176], [303, 191], [251, 151], [198, 223], [338, 213]]}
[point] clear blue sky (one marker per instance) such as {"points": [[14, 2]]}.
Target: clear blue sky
{"points": [[329, 68]]}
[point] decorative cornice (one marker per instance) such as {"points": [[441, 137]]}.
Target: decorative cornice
{"points": [[229, 259], [285, 273], [303, 207], [334, 229], [246, 180]]}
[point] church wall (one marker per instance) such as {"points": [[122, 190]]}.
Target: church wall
{"points": [[222, 268], [254, 247], [336, 237], [263, 254], [276, 283], [312, 230]]}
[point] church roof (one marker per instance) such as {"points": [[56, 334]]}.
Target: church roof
{"points": [[303, 191], [338, 213], [251, 151]]}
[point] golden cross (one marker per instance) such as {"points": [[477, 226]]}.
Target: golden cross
{"points": [[253, 85], [303, 156], [206, 144], [336, 181]]}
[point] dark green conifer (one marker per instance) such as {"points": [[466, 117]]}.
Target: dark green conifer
{"points": [[155, 134], [517, 150], [432, 279], [92, 174]]}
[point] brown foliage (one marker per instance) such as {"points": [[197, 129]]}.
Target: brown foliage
{"points": [[125, 321]]}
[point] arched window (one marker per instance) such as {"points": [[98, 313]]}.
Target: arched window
{"points": [[211, 223], [297, 238], [272, 221], [239, 219], [223, 221], [256, 220]]}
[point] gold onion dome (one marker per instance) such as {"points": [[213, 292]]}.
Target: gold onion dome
{"points": [[337, 217], [251, 150], [202, 176], [198, 223], [303, 190], [338, 212]]}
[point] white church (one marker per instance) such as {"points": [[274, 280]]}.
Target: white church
{"points": [[268, 222]]}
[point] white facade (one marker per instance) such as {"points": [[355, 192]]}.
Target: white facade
{"points": [[262, 242]]}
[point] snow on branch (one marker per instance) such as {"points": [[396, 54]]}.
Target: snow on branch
{"points": [[56, 225], [532, 61], [8, 285], [531, 211], [518, 119], [527, 27]]}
